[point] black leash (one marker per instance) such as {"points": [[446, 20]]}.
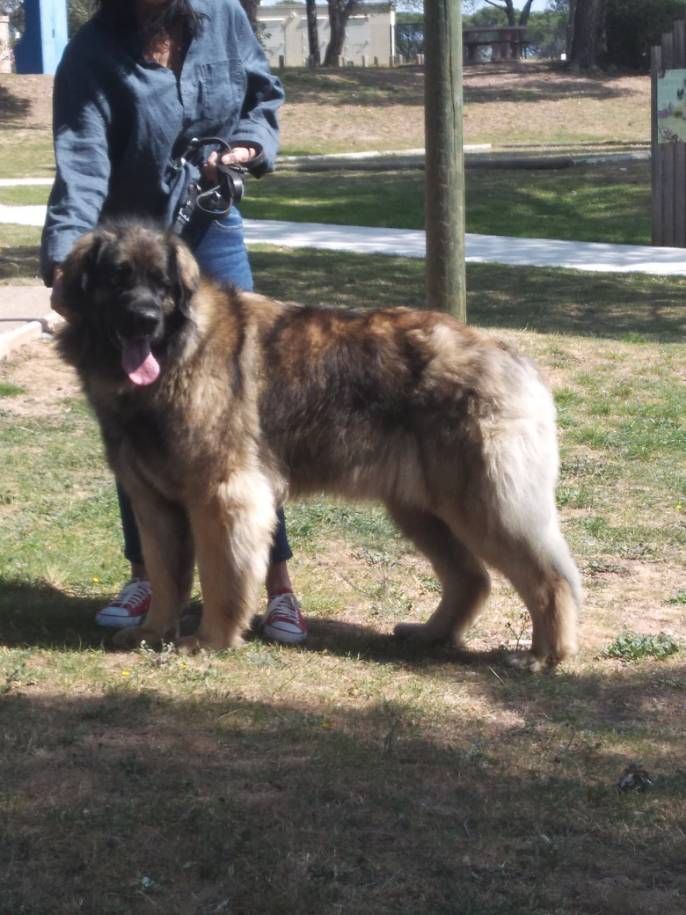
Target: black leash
{"points": [[199, 199]]}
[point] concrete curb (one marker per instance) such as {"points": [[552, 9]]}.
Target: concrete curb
{"points": [[414, 160], [476, 156], [34, 329], [11, 340]]}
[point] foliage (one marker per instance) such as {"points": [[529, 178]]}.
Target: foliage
{"points": [[547, 34], [632, 646], [486, 16], [78, 11], [632, 26], [513, 16], [409, 34]]}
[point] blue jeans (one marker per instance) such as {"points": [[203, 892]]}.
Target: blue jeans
{"points": [[222, 254]]}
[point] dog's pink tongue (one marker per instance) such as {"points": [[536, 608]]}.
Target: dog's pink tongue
{"points": [[139, 363]]}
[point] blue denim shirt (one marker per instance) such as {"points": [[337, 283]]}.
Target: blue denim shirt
{"points": [[119, 120]]}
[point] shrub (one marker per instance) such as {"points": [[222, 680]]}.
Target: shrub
{"points": [[633, 26], [632, 646]]}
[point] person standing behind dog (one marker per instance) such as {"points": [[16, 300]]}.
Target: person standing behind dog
{"points": [[135, 85]]}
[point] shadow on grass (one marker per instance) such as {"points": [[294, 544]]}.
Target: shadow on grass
{"points": [[11, 106], [405, 86], [566, 86], [337, 637], [134, 801], [39, 615], [19, 261], [613, 306]]}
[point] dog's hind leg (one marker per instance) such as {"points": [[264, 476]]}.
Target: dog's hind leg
{"points": [[545, 576], [168, 552], [232, 530], [514, 528], [464, 579]]}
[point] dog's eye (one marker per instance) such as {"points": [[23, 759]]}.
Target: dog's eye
{"points": [[122, 272], [158, 278]]}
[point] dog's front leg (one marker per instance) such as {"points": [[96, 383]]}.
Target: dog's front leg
{"points": [[168, 554], [232, 531]]}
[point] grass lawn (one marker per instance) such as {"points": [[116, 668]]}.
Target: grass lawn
{"points": [[599, 203], [355, 775], [595, 203]]}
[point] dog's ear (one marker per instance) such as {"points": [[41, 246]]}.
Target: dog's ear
{"points": [[79, 270], [184, 271]]}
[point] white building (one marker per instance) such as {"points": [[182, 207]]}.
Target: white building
{"points": [[369, 35], [5, 47]]}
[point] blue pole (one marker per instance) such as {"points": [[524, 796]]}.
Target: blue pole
{"points": [[45, 36]]}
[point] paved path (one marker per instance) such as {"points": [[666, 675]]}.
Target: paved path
{"points": [[25, 311]]}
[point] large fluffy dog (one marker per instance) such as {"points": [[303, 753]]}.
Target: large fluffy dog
{"points": [[215, 403]]}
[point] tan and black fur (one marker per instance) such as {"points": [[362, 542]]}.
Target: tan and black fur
{"points": [[452, 430]]}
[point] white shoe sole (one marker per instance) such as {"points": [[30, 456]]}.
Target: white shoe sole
{"points": [[280, 635], [118, 622]]}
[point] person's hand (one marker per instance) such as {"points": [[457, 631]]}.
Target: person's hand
{"points": [[57, 291], [57, 295], [237, 155]]}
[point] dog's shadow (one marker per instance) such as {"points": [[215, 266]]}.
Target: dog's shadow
{"points": [[42, 616], [354, 640]]}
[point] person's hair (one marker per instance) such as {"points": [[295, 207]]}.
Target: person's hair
{"points": [[122, 13]]}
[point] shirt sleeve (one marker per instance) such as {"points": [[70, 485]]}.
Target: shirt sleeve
{"points": [[264, 95], [81, 119]]}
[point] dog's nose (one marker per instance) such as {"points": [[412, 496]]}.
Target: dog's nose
{"points": [[142, 316]]}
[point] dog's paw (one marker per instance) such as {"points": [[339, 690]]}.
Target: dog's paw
{"points": [[192, 644], [526, 660], [128, 639]]}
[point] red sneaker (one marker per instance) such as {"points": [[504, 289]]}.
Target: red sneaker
{"points": [[129, 607], [284, 621]]}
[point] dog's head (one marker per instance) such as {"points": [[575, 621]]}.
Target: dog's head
{"points": [[129, 290]]}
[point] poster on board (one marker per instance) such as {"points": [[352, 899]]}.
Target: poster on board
{"points": [[671, 107]]}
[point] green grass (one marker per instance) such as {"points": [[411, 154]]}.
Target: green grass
{"points": [[11, 390], [608, 204], [595, 204], [632, 646], [24, 196], [583, 204], [26, 153]]}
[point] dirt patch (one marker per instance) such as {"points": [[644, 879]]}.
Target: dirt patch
{"points": [[25, 101], [45, 381]]}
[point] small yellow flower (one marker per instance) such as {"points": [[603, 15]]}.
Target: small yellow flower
{"points": [[95, 580], [126, 673]]}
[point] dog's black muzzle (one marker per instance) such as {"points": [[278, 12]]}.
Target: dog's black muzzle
{"points": [[139, 315]]}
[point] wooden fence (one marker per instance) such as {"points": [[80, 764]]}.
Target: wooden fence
{"points": [[668, 76]]}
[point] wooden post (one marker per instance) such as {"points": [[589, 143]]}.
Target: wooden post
{"points": [[444, 181]]}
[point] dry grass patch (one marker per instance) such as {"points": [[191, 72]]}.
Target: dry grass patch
{"points": [[368, 109]]}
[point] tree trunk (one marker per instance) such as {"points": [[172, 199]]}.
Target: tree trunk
{"points": [[339, 12], [250, 7], [444, 172], [588, 34], [525, 13], [313, 33]]}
